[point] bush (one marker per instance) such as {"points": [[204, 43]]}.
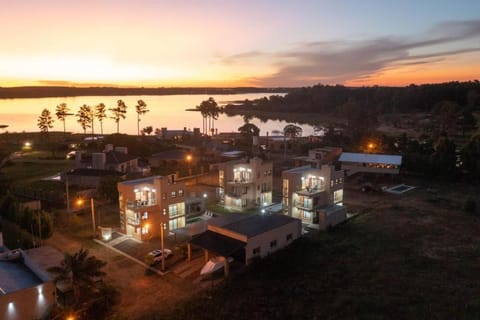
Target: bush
{"points": [[470, 206]]}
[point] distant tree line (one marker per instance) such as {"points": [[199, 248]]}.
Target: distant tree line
{"points": [[61, 91], [327, 99]]}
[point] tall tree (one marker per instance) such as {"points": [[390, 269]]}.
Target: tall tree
{"points": [[101, 113], [212, 110], [249, 130], [447, 112], [471, 157], [209, 111], [119, 113], [80, 270], [45, 121], [291, 131], [85, 118], [62, 112], [140, 108], [443, 160], [204, 112]]}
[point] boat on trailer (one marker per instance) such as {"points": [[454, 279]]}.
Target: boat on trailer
{"points": [[214, 264]]}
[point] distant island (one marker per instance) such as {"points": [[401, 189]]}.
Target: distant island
{"points": [[64, 91]]}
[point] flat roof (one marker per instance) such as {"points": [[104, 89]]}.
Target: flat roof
{"points": [[44, 258], [371, 158], [217, 243], [226, 219], [300, 169], [257, 224], [149, 180]]}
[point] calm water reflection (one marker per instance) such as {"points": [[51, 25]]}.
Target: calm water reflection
{"points": [[165, 111]]}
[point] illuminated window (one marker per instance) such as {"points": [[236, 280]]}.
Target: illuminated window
{"points": [[180, 192], [164, 196], [307, 215], [338, 196], [173, 194]]}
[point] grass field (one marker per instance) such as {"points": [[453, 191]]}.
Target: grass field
{"points": [[405, 257], [28, 168]]}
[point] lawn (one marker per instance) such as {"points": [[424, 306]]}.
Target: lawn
{"points": [[25, 170]]}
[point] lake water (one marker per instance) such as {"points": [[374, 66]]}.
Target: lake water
{"points": [[165, 111]]}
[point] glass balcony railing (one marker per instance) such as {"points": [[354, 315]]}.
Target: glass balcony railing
{"points": [[303, 205], [240, 181], [133, 221], [139, 204]]}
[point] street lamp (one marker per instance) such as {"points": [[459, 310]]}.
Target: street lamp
{"points": [[80, 202], [189, 158], [27, 146]]}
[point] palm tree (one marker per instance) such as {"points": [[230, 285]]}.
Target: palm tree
{"points": [[204, 113], [214, 113], [141, 108], [85, 118], [119, 113], [209, 111], [62, 113], [101, 113], [291, 131], [79, 269]]}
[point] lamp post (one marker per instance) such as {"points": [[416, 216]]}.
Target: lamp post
{"points": [[68, 195], [189, 161], [80, 202], [92, 207], [162, 226]]}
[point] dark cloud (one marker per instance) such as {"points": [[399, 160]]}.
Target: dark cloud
{"points": [[340, 61]]}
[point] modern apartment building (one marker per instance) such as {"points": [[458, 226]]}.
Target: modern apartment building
{"points": [[245, 184], [147, 204], [314, 195]]}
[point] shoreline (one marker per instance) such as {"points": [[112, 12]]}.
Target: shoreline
{"points": [[51, 92]]}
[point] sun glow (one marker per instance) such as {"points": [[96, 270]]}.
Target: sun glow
{"points": [[84, 69]]}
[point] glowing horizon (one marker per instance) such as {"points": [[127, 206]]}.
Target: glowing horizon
{"points": [[154, 43]]}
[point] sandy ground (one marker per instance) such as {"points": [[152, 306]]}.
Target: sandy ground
{"points": [[140, 290]]}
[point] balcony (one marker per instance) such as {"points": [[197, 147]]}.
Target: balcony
{"points": [[240, 181], [301, 205], [311, 191], [137, 204], [236, 195], [133, 221]]}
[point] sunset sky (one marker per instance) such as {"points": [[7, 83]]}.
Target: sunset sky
{"points": [[238, 43]]}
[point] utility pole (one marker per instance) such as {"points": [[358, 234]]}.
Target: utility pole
{"points": [[162, 246], [68, 196], [93, 215]]}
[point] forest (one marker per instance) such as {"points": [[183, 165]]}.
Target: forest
{"points": [[327, 99]]}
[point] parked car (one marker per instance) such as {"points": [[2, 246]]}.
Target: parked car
{"points": [[157, 254]]}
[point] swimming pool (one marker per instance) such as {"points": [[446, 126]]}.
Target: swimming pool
{"points": [[401, 188]]}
